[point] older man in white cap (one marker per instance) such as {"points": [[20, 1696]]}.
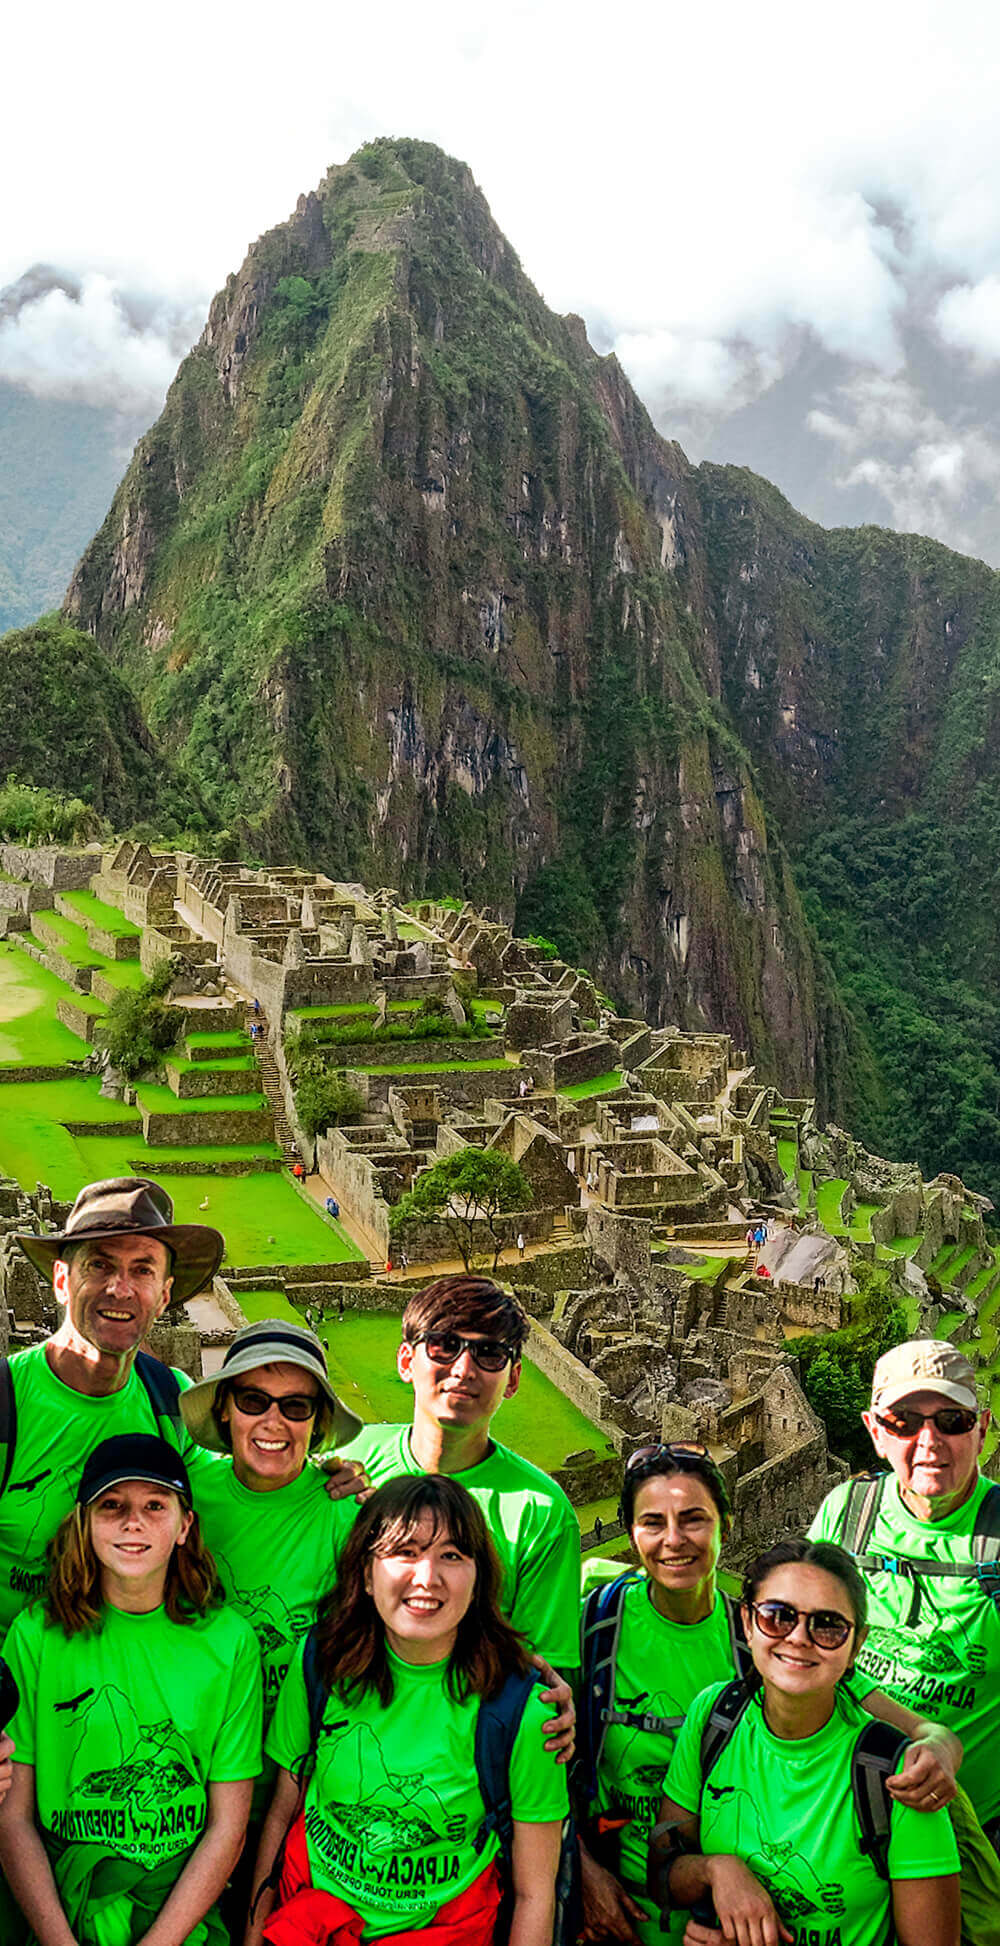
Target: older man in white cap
{"points": [[926, 1536]]}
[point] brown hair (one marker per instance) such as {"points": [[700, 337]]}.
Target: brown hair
{"points": [[73, 1599], [350, 1632], [463, 1302]]}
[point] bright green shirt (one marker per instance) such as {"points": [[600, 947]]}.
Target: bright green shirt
{"points": [[785, 1806], [660, 1668], [946, 1664], [393, 1808], [536, 1533], [128, 1724], [57, 1429], [276, 1554]]}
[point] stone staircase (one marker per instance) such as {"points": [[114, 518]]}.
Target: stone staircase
{"points": [[267, 1068]]}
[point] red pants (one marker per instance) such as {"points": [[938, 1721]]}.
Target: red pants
{"points": [[306, 1916]]}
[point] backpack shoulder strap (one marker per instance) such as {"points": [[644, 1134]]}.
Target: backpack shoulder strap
{"points": [[739, 1647], [864, 1498], [8, 1422], [498, 1720], [600, 1634], [875, 1757], [163, 1388], [725, 1714], [986, 1532], [316, 1693]]}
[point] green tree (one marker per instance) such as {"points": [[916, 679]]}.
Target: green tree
{"points": [[324, 1098], [140, 1026], [836, 1366], [473, 1187]]}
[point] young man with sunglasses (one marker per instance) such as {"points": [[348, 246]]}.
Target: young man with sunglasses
{"points": [[461, 1354], [926, 1537]]}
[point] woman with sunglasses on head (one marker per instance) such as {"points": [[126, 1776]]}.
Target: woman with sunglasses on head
{"points": [[651, 1642], [379, 1826], [138, 1730], [273, 1529], [762, 1814]]}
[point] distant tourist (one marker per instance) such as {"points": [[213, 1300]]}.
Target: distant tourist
{"points": [[256, 1006], [332, 1205], [298, 1172], [520, 1243]]}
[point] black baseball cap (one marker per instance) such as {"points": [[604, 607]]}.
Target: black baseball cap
{"points": [[133, 1456]]}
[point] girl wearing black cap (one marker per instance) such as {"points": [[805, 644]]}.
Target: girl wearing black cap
{"points": [[138, 1732]]}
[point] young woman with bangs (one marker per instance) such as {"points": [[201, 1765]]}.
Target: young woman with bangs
{"points": [[379, 1820], [139, 1726]]}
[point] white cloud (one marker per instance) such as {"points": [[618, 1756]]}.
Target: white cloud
{"points": [[95, 343], [968, 317]]}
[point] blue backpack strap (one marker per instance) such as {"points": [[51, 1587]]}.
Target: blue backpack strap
{"points": [[8, 1422], [875, 1757], [498, 1721], [317, 1694], [600, 1633], [163, 1388]]}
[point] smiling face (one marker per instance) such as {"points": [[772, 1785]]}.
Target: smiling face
{"points": [[269, 1450], [460, 1395], [421, 1591], [677, 1532], [936, 1470], [134, 1528], [114, 1289], [793, 1664]]}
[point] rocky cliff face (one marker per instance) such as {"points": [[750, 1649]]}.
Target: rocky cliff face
{"points": [[406, 575]]}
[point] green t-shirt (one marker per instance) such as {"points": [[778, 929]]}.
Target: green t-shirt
{"points": [[57, 1428], [787, 1809], [946, 1665], [128, 1724], [393, 1808], [276, 1554], [535, 1530], [660, 1668]]}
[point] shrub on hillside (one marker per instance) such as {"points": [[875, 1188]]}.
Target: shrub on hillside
{"points": [[140, 1027], [837, 1366], [324, 1098], [36, 816]]}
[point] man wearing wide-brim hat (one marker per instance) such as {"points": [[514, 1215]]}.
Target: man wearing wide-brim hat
{"points": [[114, 1268]]}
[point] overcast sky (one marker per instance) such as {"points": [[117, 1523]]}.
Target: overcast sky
{"points": [[733, 196]]}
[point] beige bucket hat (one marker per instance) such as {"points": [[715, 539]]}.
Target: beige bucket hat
{"points": [[273, 1341]]}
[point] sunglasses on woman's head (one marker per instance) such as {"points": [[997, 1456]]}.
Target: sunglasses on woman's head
{"points": [[444, 1347], [674, 1449], [903, 1423], [253, 1404], [825, 1628]]}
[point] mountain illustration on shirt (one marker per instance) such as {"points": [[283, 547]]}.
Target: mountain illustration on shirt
{"points": [[388, 1810], [931, 1650], [789, 1876], [274, 1623], [43, 1497], [647, 1773], [150, 1764]]}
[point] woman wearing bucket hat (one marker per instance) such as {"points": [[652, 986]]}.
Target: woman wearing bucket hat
{"points": [[274, 1531], [139, 1726]]}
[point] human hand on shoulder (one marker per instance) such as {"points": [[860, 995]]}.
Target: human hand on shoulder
{"points": [[560, 1730], [927, 1779], [345, 1478]]}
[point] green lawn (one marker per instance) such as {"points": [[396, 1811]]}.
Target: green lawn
{"points": [[126, 974], [236, 1039], [828, 1196], [73, 942], [34, 1144], [161, 1100], [805, 1189], [788, 1157], [601, 1084], [902, 1246], [107, 917], [30, 1034], [439, 1067], [232, 1064], [251, 1210]]}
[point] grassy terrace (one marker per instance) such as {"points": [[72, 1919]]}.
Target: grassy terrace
{"points": [[788, 1157], [602, 1084], [107, 917], [440, 1067], [125, 974], [73, 942], [160, 1100], [30, 1034], [236, 1041], [230, 1064]]}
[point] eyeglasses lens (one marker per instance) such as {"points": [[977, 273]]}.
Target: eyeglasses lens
{"points": [[952, 1420], [254, 1404], [675, 1449], [824, 1627], [490, 1354]]}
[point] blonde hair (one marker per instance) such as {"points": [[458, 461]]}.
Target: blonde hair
{"points": [[73, 1599]]}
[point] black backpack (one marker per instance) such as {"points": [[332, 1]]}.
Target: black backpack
{"points": [[601, 1631], [876, 1754], [497, 1723], [161, 1383], [861, 1507]]}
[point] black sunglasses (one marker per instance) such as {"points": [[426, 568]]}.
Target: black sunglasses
{"points": [[904, 1423], [673, 1449], [253, 1403], [443, 1347], [825, 1628]]}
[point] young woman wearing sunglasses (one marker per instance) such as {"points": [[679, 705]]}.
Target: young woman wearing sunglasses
{"points": [[771, 1834], [678, 1634]]}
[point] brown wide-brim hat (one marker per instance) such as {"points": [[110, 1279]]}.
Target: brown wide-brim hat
{"points": [[133, 1206]]}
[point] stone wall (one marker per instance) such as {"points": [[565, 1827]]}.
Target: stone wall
{"points": [[582, 1058], [574, 1380], [622, 1242], [428, 1239], [553, 1270], [239, 1125], [417, 1054], [46, 865], [350, 1175]]}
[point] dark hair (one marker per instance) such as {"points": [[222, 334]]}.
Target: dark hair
{"points": [[350, 1631], [811, 1554], [322, 1420], [663, 1465], [462, 1302], [73, 1598]]}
